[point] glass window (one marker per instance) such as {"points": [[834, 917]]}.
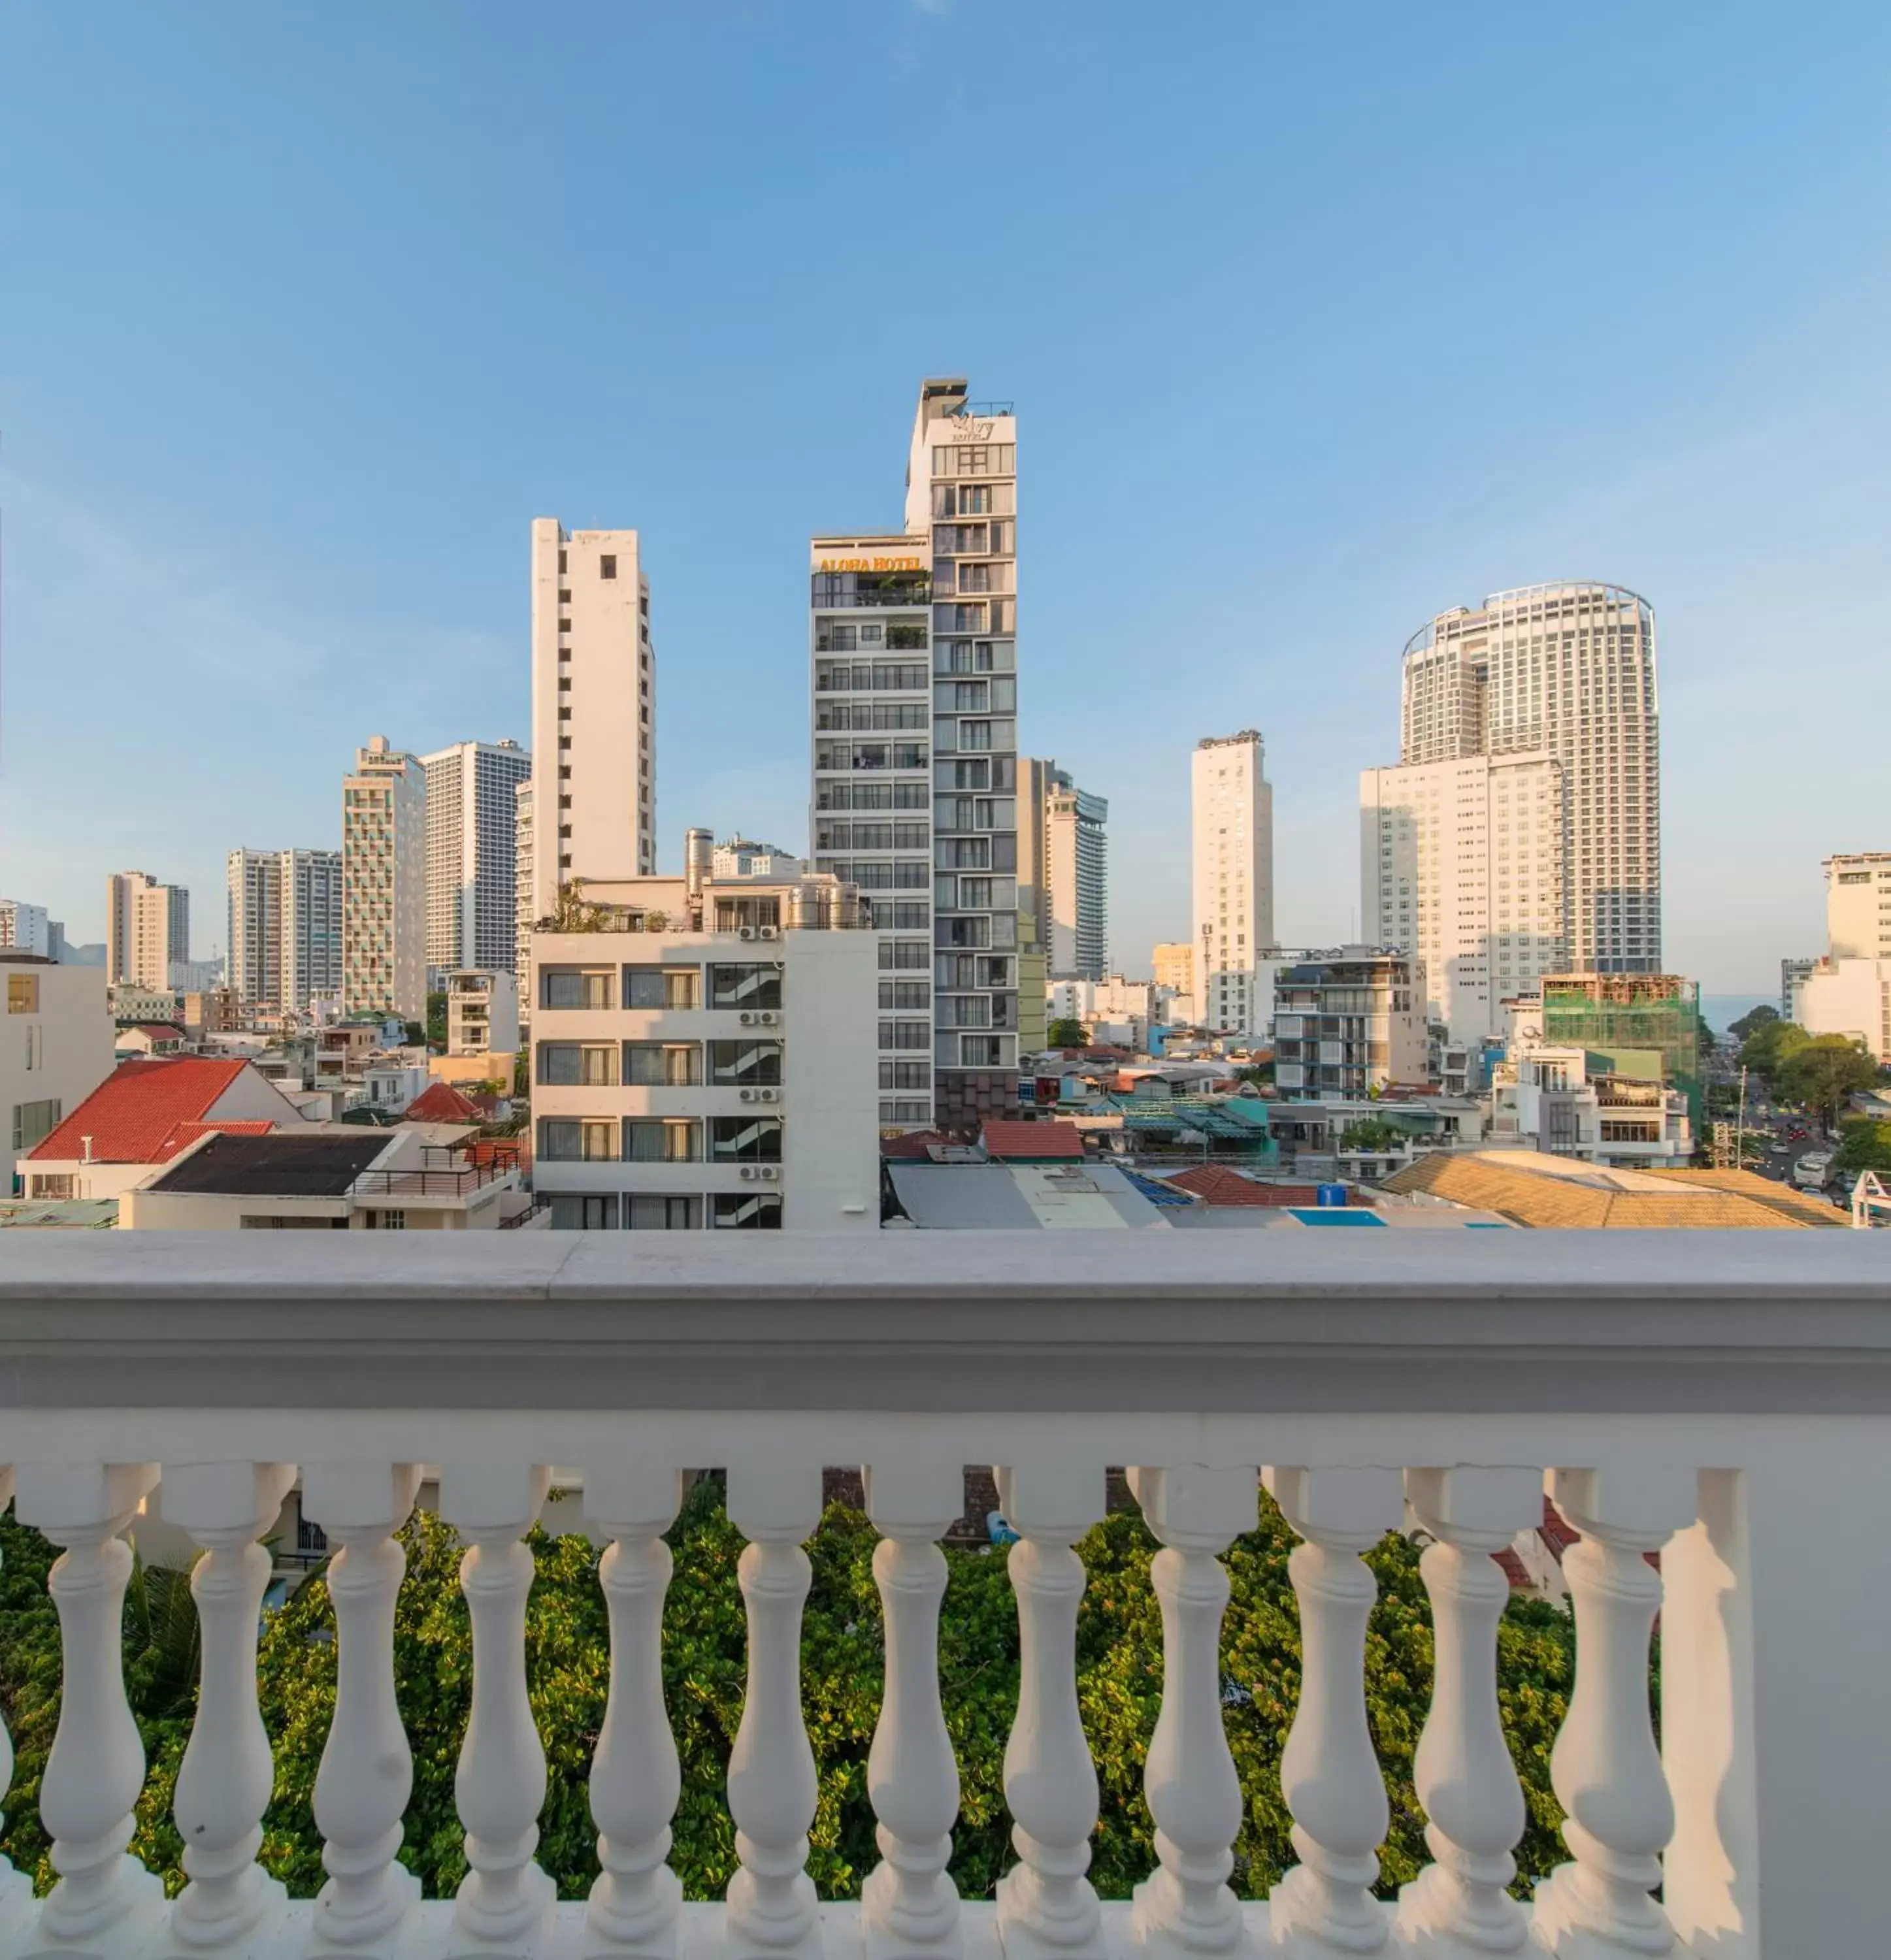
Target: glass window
{"points": [[745, 1139], [745, 1210], [663, 1064], [660, 986], [563, 1140], [568, 1063], [746, 1062], [662, 1214], [23, 993], [662, 1139], [575, 1212], [576, 987], [745, 985]]}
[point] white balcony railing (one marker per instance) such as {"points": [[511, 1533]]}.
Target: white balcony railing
{"points": [[1724, 1400]]}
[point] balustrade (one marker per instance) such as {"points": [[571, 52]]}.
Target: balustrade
{"points": [[1390, 1427]]}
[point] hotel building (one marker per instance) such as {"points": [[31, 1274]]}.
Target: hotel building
{"points": [[385, 884], [472, 869], [285, 926], [1232, 807]]}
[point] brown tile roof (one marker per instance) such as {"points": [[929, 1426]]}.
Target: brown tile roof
{"points": [[440, 1103], [1215, 1184], [130, 1115], [1704, 1200], [1002, 1139]]}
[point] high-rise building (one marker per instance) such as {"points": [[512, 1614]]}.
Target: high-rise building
{"points": [[25, 928], [525, 908], [1064, 870], [472, 865], [1566, 671], [285, 926], [1858, 905], [593, 710], [1461, 862], [1232, 805], [385, 884], [1347, 1023], [1848, 992], [913, 662], [147, 926]]}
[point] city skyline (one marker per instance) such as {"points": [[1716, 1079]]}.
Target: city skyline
{"points": [[1295, 532]]}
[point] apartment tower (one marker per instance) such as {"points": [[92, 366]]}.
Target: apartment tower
{"points": [[472, 867], [285, 926], [913, 665], [1064, 870], [385, 884], [1565, 673], [1233, 808], [593, 710], [147, 927]]}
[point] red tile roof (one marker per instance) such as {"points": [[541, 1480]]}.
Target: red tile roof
{"points": [[130, 1115], [440, 1103], [912, 1146], [182, 1135], [1003, 1139], [158, 1030], [1215, 1184]]}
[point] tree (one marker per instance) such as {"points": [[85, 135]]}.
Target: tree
{"points": [[1371, 1133], [1866, 1146], [1261, 1074], [1765, 1050], [437, 1022], [1750, 1022], [1118, 1686], [1824, 1072], [1066, 1032], [415, 1033]]}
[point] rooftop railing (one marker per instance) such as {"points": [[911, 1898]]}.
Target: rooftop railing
{"points": [[1717, 1401]]}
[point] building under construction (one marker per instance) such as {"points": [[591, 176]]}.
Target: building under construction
{"points": [[1638, 1025]]}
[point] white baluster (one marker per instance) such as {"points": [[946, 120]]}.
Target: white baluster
{"points": [[1329, 1775], [367, 1773], [505, 1902], [1458, 1908], [16, 1889], [1606, 1767], [771, 1910], [636, 1899], [1186, 1907], [909, 1907], [97, 1769], [1046, 1907], [225, 1782]]}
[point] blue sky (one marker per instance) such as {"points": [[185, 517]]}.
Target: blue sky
{"points": [[1318, 320]]}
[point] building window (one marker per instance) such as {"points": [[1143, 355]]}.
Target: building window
{"points": [[663, 1214], [745, 1210], [33, 1121], [745, 986], [23, 993], [575, 1212], [663, 1064], [744, 1063], [566, 1064], [570, 987], [662, 1139], [388, 1221], [568, 1140], [607, 566], [745, 1139], [661, 986]]}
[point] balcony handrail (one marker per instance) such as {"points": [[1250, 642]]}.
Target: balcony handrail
{"points": [[1723, 1402]]}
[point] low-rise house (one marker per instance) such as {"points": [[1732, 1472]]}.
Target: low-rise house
{"points": [[143, 1115], [339, 1180], [1555, 1099], [55, 1043], [149, 1038], [482, 1027]]}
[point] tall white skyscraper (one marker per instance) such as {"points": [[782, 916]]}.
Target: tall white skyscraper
{"points": [[525, 896], [594, 709], [285, 926], [472, 840], [1564, 672], [1461, 862], [913, 665], [1233, 805], [147, 927], [385, 884], [1064, 870]]}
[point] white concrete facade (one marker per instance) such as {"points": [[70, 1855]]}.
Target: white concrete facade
{"points": [[385, 884], [1461, 862], [1348, 1022], [285, 926], [1232, 885], [1546, 1098], [472, 867], [25, 928], [1858, 905], [56, 1044], [1851, 997], [594, 709], [1566, 670], [525, 891], [712, 1080], [482, 1014]]}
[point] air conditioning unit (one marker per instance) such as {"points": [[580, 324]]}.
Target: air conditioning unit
{"points": [[766, 1017], [768, 1173], [748, 1096], [749, 1172], [746, 932], [748, 1020], [769, 1095], [771, 932]]}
